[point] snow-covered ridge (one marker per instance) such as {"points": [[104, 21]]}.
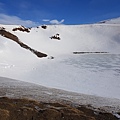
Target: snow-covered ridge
{"points": [[73, 38]]}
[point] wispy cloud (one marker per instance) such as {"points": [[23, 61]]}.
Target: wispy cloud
{"points": [[54, 22], [6, 19], [57, 22]]}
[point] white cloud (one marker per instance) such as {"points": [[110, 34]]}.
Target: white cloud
{"points": [[53, 22], [56, 22], [6, 19]]}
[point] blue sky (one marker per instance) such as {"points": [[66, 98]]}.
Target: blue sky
{"points": [[35, 12]]}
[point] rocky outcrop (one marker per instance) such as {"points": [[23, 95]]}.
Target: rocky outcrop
{"points": [[9, 35], [44, 26], [22, 28], [56, 36]]}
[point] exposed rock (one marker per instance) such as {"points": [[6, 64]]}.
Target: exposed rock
{"points": [[51, 57], [22, 28], [44, 26], [55, 37], [9, 35]]}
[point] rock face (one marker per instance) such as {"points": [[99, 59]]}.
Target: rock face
{"points": [[24, 109]]}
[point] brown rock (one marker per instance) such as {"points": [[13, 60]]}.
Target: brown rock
{"points": [[22, 28]]}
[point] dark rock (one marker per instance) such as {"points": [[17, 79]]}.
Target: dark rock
{"points": [[55, 37], [22, 28], [44, 26]]}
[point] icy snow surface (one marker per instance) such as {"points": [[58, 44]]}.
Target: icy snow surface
{"points": [[93, 74]]}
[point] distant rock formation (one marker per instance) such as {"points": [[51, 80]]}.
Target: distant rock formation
{"points": [[22, 28], [44, 26], [55, 37]]}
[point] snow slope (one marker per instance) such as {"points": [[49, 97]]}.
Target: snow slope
{"points": [[94, 74]]}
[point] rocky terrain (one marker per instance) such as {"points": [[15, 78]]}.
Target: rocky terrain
{"points": [[24, 109], [26, 101]]}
